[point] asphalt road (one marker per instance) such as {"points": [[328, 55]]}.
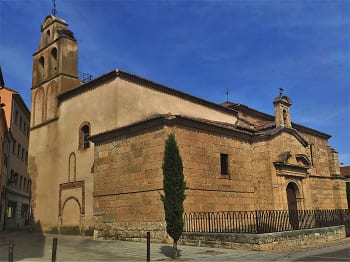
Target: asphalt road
{"points": [[339, 255], [38, 247]]}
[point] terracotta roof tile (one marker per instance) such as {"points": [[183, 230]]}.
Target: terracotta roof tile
{"points": [[345, 171]]}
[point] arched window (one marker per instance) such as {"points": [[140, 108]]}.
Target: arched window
{"points": [[54, 53], [284, 116], [72, 168], [41, 66], [53, 60], [48, 33], [84, 136]]}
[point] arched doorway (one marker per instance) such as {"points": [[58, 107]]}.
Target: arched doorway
{"points": [[292, 190], [71, 217]]}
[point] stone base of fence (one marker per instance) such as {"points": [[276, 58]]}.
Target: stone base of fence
{"points": [[266, 241]]}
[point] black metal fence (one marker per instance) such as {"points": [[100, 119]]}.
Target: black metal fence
{"points": [[264, 221], [84, 77]]}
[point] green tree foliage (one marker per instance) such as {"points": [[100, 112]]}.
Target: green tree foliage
{"points": [[174, 190], [348, 193]]}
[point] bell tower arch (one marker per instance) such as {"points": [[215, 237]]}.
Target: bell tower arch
{"points": [[55, 68], [282, 112]]}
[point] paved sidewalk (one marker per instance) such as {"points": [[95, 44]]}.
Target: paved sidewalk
{"points": [[37, 247]]}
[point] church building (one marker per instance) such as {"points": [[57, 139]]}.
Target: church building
{"points": [[96, 164]]}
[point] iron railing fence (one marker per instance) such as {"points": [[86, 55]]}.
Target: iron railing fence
{"points": [[264, 221], [85, 77]]}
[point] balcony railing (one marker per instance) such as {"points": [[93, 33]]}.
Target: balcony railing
{"points": [[85, 77], [264, 221]]}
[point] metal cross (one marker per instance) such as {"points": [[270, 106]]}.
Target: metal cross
{"points": [[227, 94], [54, 11], [281, 91]]}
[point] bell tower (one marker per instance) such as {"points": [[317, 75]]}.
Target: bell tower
{"points": [[281, 108], [55, 68]]}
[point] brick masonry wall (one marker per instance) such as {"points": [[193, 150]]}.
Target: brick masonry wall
{"points": [[128, 179], [268, 241]]}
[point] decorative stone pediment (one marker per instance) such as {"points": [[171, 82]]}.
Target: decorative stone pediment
{"points": [[303, 159], [287, 165]]}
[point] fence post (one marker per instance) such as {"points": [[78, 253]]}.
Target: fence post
{"points": [[54, 249], [341, 217], [257, 222], [148, 246], [208, 222], [10, 251]]}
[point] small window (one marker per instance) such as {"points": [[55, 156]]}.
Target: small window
{"points": [[24, 128], [24, 182], [312, 154], [20, 123], [26, 157], [20, 181], [41, 66], [11, 209], [15, 179], [6, 160], [224, 164], [48, 33], [14, 147], [284, 116], [22, 155], [24, 211], [18, 150], [16, 117], [84, 136], [54, 53]]}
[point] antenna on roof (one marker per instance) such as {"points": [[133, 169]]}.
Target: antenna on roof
{"points": [[281, 91], [2, 83], [227, 91], [54, 11]]}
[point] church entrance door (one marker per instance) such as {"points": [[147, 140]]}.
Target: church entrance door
{"points": [[292, 205]]}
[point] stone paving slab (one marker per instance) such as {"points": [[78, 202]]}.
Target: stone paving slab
{"points": [[37, 247]]}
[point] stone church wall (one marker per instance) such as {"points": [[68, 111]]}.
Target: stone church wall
{"points": [[128, 180]]}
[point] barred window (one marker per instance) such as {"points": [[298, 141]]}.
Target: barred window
{"points": [[84, 136]]}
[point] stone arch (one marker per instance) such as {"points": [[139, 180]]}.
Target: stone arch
{"points": [[41, 66], [51, 100], [71, 198], [53, 61], [48, 36], [72, 168], [39, 106], [71, 215]]}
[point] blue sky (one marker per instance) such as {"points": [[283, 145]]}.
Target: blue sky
{"points": [[203, 47]]}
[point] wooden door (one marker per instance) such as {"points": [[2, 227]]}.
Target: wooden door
{"points": [[292, 206]]}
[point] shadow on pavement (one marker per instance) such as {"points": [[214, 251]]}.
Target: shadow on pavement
{"points": [[27, 244], [168, 251]]}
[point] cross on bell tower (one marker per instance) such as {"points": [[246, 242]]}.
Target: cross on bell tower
{"points": [[54, 11]]}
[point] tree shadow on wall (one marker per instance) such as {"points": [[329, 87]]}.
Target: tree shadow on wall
{"points": [[27, 243], [168, 251]]}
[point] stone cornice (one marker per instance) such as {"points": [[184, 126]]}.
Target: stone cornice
{"points": [[44, 123], [54, 41], [278, 130], [267, 117], [158, 122], [328, 177], [53, 77]]}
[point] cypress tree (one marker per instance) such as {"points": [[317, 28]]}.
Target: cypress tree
{"points": [[174, 190]]}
